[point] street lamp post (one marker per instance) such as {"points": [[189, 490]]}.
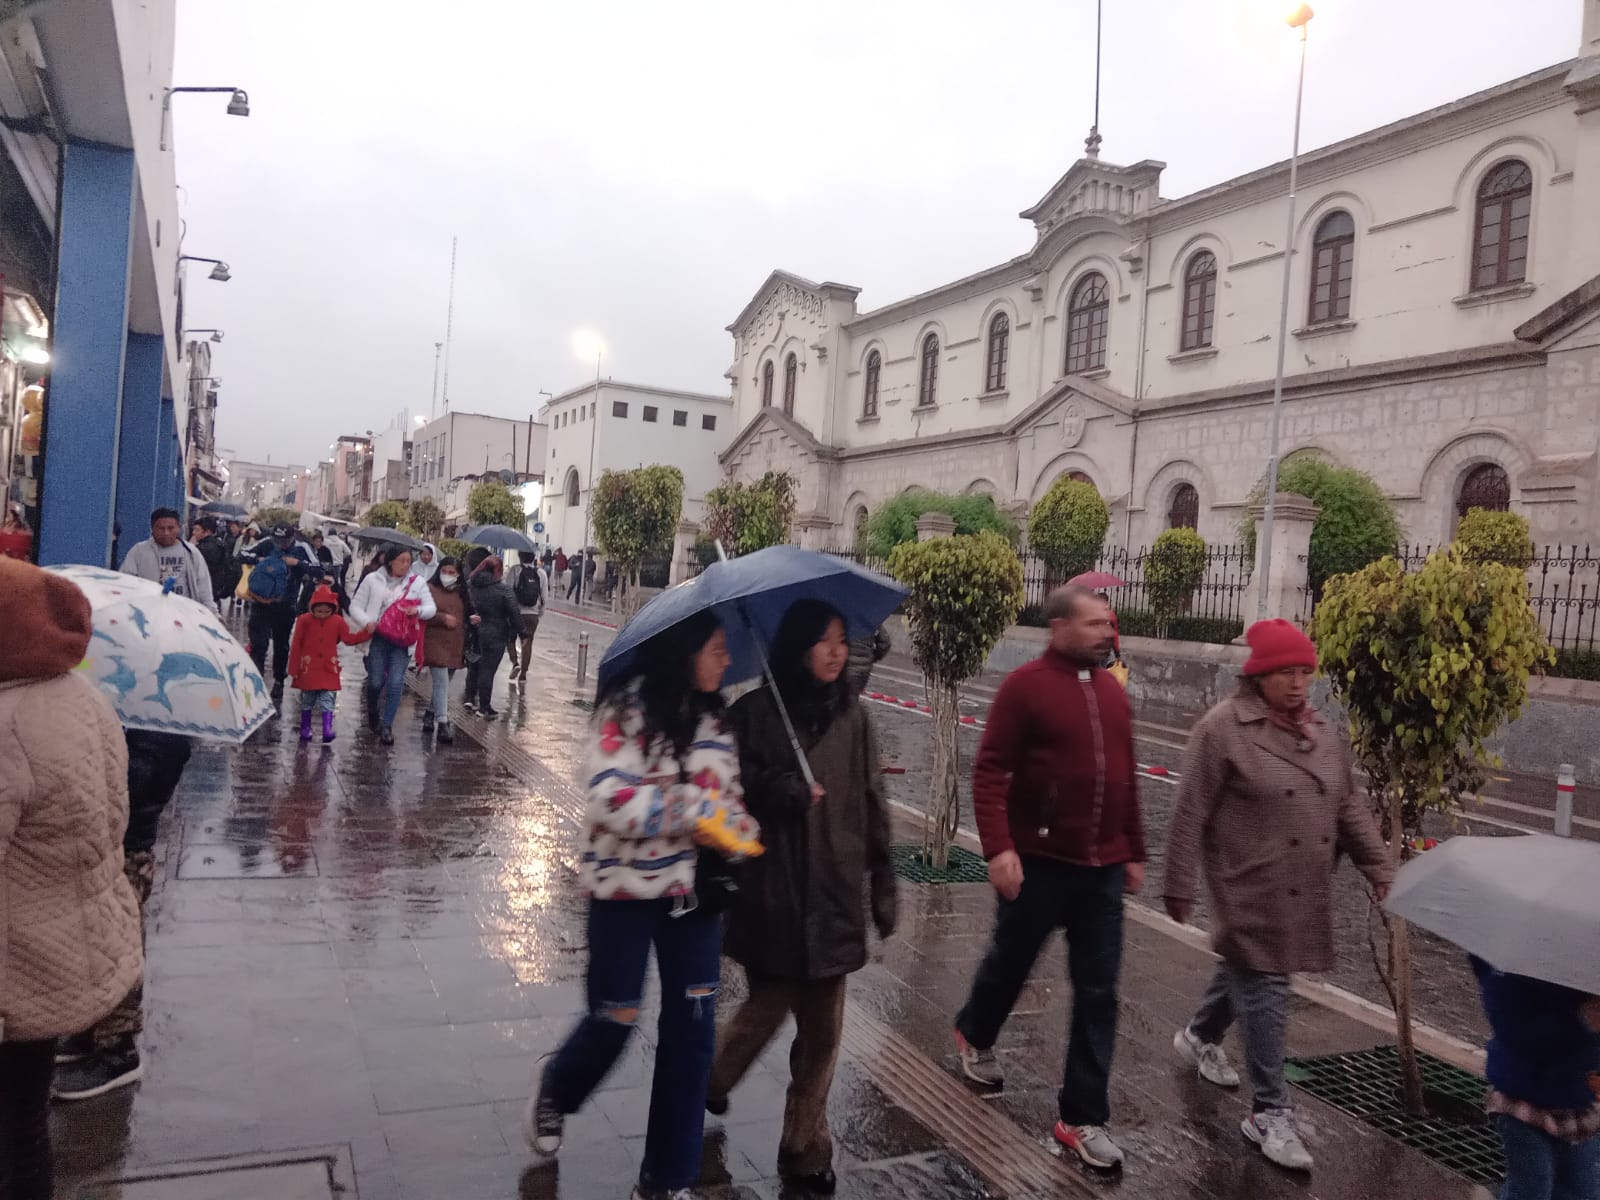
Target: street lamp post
{"points": [[1301, 20]]}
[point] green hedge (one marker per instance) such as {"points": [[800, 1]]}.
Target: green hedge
{"points": [[1577, 664]]}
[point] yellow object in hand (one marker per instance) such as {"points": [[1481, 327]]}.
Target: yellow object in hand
{"points": [[715, 831]]}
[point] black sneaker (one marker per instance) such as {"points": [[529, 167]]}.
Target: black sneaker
{"points": [[277, 693], [488, 714], [74, 1048], [446, 734], [98, 1074], [716, 1105], [427, 721], [542, 1122], [386, 736]]}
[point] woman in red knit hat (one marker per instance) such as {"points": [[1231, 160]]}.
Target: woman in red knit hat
{"points": [[1266, 803]]}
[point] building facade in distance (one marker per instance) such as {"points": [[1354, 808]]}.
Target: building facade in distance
{"points": [[1444, 336], [460, 445]]}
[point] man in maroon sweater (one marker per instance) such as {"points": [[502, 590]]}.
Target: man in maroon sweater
{"points": [[1058, 812]]}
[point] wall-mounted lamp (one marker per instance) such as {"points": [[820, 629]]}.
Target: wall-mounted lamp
{"points": [[238, 104]]}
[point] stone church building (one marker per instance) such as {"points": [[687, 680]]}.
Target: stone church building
{"points": [[1444, 336]]}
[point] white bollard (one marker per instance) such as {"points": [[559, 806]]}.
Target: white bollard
{"points": [[583, 657], [1566, 784]]}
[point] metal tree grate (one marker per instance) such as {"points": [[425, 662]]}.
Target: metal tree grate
{"points": [[965, 866], [1366, 1084]]}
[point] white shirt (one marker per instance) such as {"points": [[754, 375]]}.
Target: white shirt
{"points": [[380, 589]]}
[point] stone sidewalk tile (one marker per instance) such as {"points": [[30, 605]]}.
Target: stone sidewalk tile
{"points": [[370, 948]]}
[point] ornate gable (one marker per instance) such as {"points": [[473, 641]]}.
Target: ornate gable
{"points": [[1092, 188], [788, 303]]}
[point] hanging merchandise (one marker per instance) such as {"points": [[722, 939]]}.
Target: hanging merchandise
{"points": [[32, 417]]}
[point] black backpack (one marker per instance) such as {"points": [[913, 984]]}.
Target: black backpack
{"points": [[527, 586]]}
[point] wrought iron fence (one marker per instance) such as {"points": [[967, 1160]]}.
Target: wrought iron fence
{"points": [[1563, 590]]}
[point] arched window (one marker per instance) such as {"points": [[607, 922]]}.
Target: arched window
{"points": [[1333, 266], [869, 397], [572, 488], [1087, 314], [858, 524], [766, 385], [791, 371], [1505, 206], [1080, 477], [1184, 511], [994, 379], [1199, 301], [928, 384], [1486, 486]]}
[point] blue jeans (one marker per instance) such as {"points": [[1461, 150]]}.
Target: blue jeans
{"points": [[386, 674], [440, 678], [1086, 902], [689, 957], [1540, 1167], [315, 700]]}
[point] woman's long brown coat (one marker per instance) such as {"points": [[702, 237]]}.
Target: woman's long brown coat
{"points": [[1264, 813]]}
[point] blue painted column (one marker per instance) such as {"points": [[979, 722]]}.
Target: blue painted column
{"points": [[139, 485], [83, 409], [164, 460]]}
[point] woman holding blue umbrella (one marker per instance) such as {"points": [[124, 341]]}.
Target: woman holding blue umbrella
{"points": [[662, 761]]}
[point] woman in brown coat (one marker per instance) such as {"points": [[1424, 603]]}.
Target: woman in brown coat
{"points": [[1266, 802], [799, 926], [444, 644]]}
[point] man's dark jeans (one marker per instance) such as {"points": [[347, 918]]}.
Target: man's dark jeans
{"points": [[1086, 902], [271, 623]]}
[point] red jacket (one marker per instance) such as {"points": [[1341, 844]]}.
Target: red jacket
{"points": [[1054, 775], [314, 651]]}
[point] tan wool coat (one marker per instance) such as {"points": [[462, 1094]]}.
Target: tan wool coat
{"points": [[69, 921], [1261, 814]]}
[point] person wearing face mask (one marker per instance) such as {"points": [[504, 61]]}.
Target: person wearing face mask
{"points": [[800, 925], [1266, 802], [444, 648]]}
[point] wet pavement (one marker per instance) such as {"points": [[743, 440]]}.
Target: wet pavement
{"points": [[363, 951]]}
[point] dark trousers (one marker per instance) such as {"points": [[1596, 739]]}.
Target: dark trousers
{"points": [[271, 623], [805, 1147], [25, 1071], [488, 663], [522, 657], [1540, 1167], [689, 958], [1086, 902]]}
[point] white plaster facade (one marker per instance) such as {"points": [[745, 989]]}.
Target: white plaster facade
{"points": [[459, 444], [620, 426], [1425, 377]]}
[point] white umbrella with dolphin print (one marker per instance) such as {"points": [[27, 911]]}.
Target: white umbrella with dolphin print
{"points": [[168, 663]]}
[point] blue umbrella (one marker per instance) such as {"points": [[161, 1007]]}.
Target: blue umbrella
{"points": [[499, 537]]}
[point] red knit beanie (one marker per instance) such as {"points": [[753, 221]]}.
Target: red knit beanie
{"points": [[1277, 644]]}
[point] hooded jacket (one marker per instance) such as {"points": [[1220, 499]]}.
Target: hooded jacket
{"points": [[499, 614], [444, 645], [69, 921], [144, 561], [424, 570], [314, 647]]}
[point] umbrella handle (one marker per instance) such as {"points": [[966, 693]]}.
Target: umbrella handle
{"points": [[772, 685]]}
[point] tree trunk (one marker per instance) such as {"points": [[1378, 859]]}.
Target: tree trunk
{"points": [[1400, 971], [939, 826]]}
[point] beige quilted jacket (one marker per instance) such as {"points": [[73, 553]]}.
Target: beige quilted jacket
{"points": [[69, 922]]}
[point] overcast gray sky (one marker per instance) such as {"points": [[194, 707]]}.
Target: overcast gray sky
{"points": [[638, 167]]}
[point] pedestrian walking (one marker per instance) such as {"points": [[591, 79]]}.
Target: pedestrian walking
{"points": [[69, 925], [278, 567], [575, 565], [1266, 803], [532, 589], [499, 624], [661, 759], [395, 604], [866, 653], [165, 558], [218, 555], [1543, 1067], [227, 586], [444, 645], [1057, 807], [799, 927], [560, 565], [426, 562], [314, 658]]}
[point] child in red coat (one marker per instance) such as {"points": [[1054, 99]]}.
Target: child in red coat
{"points": [[314, 659]]}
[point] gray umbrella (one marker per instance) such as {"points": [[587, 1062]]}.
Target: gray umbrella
{"points": [[1526, 905], [391, 537], [499, 537]]}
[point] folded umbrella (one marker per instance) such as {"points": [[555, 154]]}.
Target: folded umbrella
{"points": [[166, 662], [499, 537], [390, 537], [1525, 905]]}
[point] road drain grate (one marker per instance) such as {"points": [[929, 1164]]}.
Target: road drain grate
{"points": [[1366, 1084], [965, 866]]}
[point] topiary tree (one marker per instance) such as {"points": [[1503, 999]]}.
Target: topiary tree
{"points": [[493, 503], [1068, 526], [746, 517], [386, 514], [1174, 568], [1500, 537], [425, 516], [454, 548], [635, 515], [276, 514], [894, 522], [965, 592], [1427, 665], [1357, 524]]}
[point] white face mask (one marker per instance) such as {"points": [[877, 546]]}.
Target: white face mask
{"points": [[448, 580]]}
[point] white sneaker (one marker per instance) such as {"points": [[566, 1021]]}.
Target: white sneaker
{"points": [[1274, 1131], [1091, 1143], [1212, 1060]]}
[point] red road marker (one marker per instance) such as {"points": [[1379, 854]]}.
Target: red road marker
{"points": [[894, 770], [1157, 771]]}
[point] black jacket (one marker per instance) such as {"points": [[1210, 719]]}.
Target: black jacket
{"points": [[499, 614], [801, 913], [225, 572]]}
